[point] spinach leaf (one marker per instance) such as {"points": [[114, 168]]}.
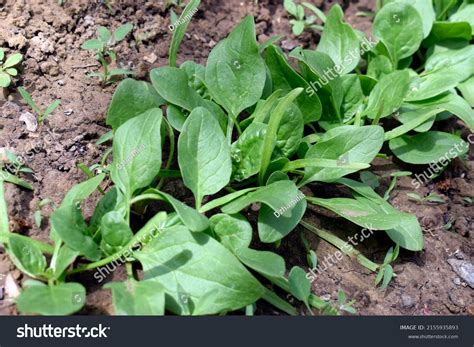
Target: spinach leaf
{"points": [[137, 298], [233, 231], [137, 152], [235, 71], [426, 11], [203, 155], [286, 79], [184, 263], [115, 232], [340, 42], [264, 262], [348, 144], [428, 147], [400, 27], [131, 99], [61, 299], [26, 256]]}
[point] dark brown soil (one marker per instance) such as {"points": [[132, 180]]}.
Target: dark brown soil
{"points": [[50, 36]]}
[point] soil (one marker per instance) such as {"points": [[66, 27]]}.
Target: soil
{"points": [[49, 36]]}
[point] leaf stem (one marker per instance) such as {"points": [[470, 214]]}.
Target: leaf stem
{"points": [[342, 246], [170, 154]]}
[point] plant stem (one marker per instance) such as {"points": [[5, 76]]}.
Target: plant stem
{"points": [[342, 246], [148, 228], [171, 153], [279, 303], [4, 227]]}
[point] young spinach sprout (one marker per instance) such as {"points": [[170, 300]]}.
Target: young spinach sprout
{"points": [[38, 216], [386, 270], [40, 115], [103, 48], [431, 197], [301, 21], [7, 70]]}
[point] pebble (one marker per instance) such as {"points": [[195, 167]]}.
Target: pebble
{"points": [[457, 281], [463, 269], [407, 301]]}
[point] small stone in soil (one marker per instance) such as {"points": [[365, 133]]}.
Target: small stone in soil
{"points": [[464, 269], [407, 301]]}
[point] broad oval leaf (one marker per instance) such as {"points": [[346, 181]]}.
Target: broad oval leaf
{"points": [[26, 256], [431, 146], [235, 71], [233, 231], [61, 299], [400, 27], [130, 99], [137, 298], [137, 152], [203, 155], [184, 263]]}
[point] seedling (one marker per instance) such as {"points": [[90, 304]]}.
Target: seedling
{"points": [[10, 168], [40, 115], [38, 216], [431, 197], [103, 47], [385, 272], [7, 68], [244, 133], [301, 21], [343, 304]]}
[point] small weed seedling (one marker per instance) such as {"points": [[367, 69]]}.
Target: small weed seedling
{"points": [[386, 270], [432, 198], [7, 70], [103, 48], [301, 21], [41, 115], [38, 215]]}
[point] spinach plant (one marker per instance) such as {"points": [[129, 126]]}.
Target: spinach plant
{"points": [[246, 134], [301, 21]]}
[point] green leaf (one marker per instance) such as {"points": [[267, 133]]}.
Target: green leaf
{"points": [[137, 298], [285, 78], [424, 148], [387, 276], [13, 60], [467, 91], [61, 299], [271, 133], [290, 6], [51, 108], [379, 66], [298, 27], [131, 98], [425, 10], [340, 42], [180, 30], [64, 258], [348, 144], [300, 287], [68, 223], [29, 100], [5, 79], [235, 71], [93, 44], [2, 54], [104, 34], [122, 31], [464, 14], [184, 263], [26, 256], [233, 231], [443, 31], [353, 96], [115, 232], [388, 94], [203, 155], [82, 190], [264, 262], [400, 27], [8, 177], [137, 152], [116, 72]]}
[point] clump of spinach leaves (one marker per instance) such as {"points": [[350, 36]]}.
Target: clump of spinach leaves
{"points": [[248, 130]]}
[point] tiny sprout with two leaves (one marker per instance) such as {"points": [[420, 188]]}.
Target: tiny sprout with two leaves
{"points": [[386, 270], [103, 48], [301, 21], [432, 198], [7, 70], [41, 115]]}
